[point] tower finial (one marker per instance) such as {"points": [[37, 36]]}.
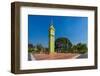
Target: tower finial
{"points": [[52, 22], [52, 25]]}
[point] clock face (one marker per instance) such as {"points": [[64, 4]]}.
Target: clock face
{"points": [[52, 32]]}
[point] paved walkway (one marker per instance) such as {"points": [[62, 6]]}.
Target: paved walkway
{"points": [[75, 57], [55, 56], [31, 57], [83, 56]]}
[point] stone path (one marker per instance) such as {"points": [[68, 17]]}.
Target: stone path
{"points": [[83, 56], [31, 57], [55, 56]]}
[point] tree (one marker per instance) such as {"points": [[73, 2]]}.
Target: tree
{"points": [[30, 47], [82, 48], [46, 51], [63, 44], [39, 48], [73, 49]]}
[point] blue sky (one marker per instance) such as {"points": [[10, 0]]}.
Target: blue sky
{"points": [[73, 28]]}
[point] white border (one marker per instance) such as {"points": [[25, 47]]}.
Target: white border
{"points": [[25, 64]]}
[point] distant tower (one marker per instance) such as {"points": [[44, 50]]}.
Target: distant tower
{"points": [[51, 38]]}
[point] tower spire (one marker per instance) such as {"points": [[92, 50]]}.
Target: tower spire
{"points": [[52, 25], [51, 22]]}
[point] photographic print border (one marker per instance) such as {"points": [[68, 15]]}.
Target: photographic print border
{"points": [[15, 37]]}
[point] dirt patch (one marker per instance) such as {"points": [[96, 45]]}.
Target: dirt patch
{"points": [[54, 56]]}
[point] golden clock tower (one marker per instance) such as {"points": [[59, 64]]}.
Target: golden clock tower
{"points": [[51, 38]]}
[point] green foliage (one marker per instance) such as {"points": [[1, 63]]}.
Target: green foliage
{"points": [[80, 48], [30, 50], [30, 47], [63, 45], [37, 48]]}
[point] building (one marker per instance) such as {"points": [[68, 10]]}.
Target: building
{"points": [[51, 38]]}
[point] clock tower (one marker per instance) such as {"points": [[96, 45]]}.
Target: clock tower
{"points": [[51, 38]]}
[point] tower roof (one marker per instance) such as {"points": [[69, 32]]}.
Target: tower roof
{"points": [[51, 25]]}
